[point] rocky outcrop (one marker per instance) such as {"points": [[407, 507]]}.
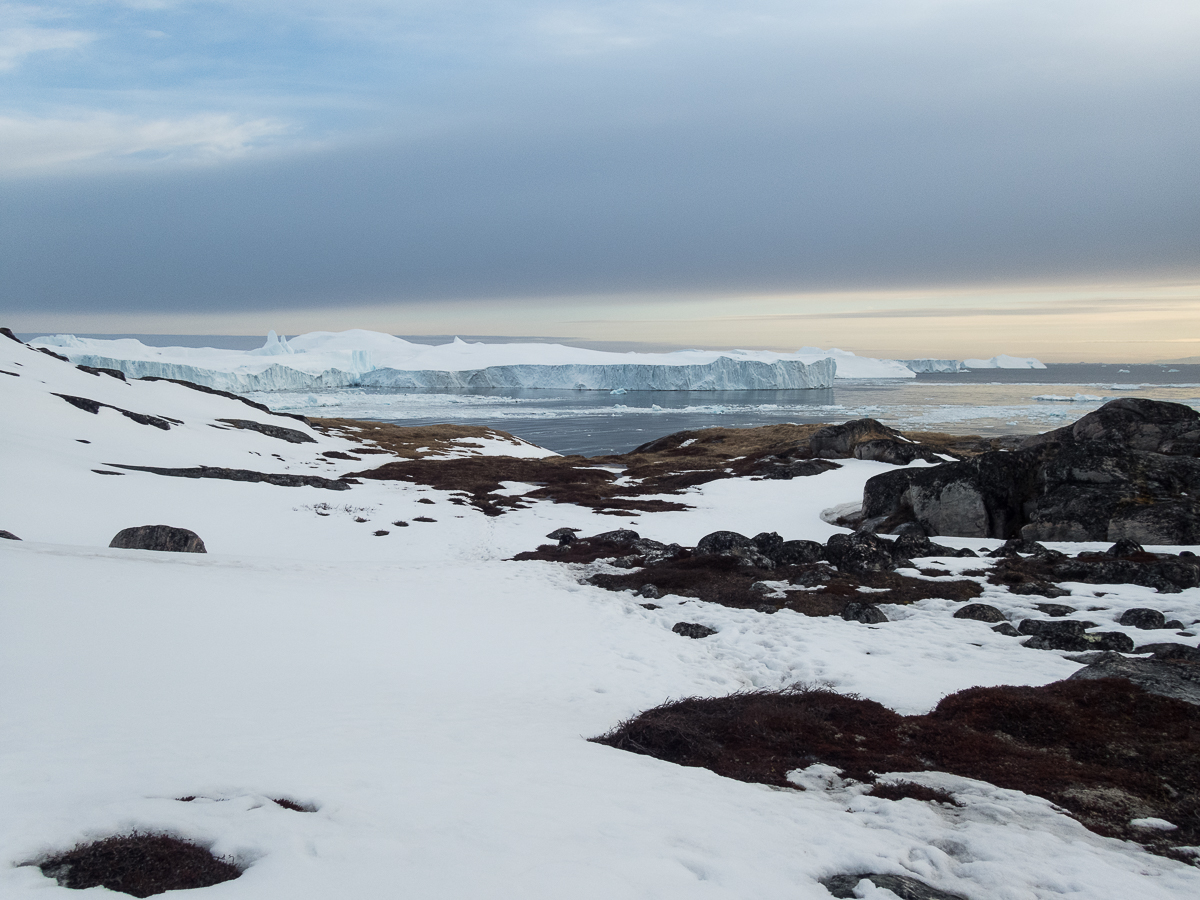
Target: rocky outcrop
{"points": [[1127, 471], [1165, 677], [291, 435], [158, 537], [902, 886], [867, 439], [8, 536]]}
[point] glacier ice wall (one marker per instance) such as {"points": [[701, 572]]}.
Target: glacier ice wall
{"points": [[722, 374], [924, 366]]}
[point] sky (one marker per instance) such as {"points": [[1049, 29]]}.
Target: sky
{"points": [[948, 178]]}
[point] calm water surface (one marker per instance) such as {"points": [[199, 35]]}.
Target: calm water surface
{"points": [[597, 422]]}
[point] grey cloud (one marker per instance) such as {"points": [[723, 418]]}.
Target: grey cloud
{"points": [[779, 164]]}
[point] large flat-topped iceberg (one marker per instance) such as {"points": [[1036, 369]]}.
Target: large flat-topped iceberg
{"points": [[1004, 362], [322, 360]]}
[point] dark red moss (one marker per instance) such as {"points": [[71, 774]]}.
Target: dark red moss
{"points": [[1104, 750], [139, 864]]}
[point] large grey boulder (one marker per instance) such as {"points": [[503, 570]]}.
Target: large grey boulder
{"points": [[158, 537], [1169, 678], [1127, 472]]}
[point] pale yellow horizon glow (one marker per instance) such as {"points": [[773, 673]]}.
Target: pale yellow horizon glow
{"points": [[1057, 323]]}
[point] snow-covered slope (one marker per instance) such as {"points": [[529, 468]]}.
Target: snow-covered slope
{"points": [[429, 698]]}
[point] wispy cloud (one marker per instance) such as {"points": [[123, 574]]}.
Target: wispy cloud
{"points": [[21, 41], [28, 144]]}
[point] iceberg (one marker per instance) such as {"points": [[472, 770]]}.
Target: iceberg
{"points": [[324, 361], [929, 366], [1004, 362]]}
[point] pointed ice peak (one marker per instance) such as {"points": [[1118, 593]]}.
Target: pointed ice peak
{"points": [[275, 346], [459, 342]]}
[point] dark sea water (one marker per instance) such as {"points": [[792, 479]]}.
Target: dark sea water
{"points": [[987, 401]]}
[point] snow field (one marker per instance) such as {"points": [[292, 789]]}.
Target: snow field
{"points": [[432, 699]]}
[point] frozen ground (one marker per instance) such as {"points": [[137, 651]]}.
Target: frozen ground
{"points": [[431, 699]]}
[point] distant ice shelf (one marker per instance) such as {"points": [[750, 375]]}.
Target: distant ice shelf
{"points": [[328, 361]]}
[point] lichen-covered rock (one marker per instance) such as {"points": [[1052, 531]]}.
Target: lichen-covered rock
{"points": [[866, 613], [1146, 619], [1165, 677], [979, 612], [693, 630], [158, 537]]}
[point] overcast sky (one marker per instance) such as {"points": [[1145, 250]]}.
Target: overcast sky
{"points": [[915, 174]]}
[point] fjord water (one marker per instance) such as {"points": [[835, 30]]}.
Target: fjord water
{"points": [[591, 423]]}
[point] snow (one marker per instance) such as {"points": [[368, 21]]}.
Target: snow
{"points": [[430, 698]]}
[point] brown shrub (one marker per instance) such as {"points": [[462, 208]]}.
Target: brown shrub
{"points": [[139, 864]]}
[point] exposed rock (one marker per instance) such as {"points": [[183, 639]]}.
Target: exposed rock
{"points": [[1171, 651], [914, 544], [1055, 610], [786, 470], [8, 536], [1126, 471], [94, 407], [8, 334], [866, 613], [100, 370], [1006, 629], [693, 630], [730, 543], [1061, 634], [904, 887], [1165, 677], [1125, 547], [860, 553], [979, 612], [228, 395], [867, 439], [564, 536], [281, 479], [1070, 634], [291, 435], [158, 537], [650, 592], [1146, 619]]}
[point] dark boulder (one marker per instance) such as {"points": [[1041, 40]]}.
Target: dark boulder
{"points": [[1057, 634], [693, 630], [787, 469], [1054, 610], [860, 553], [867, 439], [8, 536], [564, 536], [979, 612], [1126, 472], [1146, 619], [1168, 678], [730, 543], [797, 553], [1125, 547], [620, 536], [1006, 629], [866, 613], [1171, 651], [979, 497], [904, 887], [158, 537]]}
